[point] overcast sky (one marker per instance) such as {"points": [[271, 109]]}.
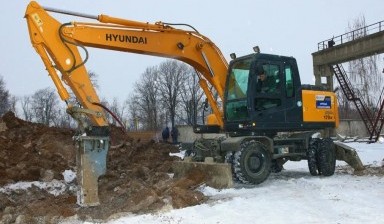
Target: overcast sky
{"points": [[291, 28]]}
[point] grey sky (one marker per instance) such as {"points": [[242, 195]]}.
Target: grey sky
{"points": [[291, 28]]}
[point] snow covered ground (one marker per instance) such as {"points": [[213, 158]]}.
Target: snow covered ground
{"points": [[292, 196]]}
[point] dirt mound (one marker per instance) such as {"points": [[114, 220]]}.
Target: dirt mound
{"points": [[138, 177]]}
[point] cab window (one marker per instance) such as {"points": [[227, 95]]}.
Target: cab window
{"points": [[238, 82], [236, 105], [289, 81]]}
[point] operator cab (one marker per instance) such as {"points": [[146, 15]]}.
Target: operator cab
{"points": [[262, 94]]}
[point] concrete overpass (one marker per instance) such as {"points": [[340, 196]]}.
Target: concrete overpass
{"points": [[360, 43], [350, 46]]}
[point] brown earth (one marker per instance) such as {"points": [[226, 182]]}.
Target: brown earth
{"points": [[137, 178]]}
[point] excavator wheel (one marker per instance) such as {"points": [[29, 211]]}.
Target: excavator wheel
{"points": [[327, 157], [312, 156], [229, 159], [252, 164], [190, 152]]}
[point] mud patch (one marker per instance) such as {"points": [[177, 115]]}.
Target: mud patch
{"points": [[138, 179]]}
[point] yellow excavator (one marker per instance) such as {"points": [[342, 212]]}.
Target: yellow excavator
{"points": [[265, 123]]}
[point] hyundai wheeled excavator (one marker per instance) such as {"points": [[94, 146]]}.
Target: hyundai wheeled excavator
{"points": [[263, 129]]}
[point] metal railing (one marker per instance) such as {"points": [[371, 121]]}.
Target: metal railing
{"points": [[352, 35], [353, 94]]}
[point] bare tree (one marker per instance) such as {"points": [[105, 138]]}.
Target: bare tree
{"points": [[26, 108], [364, 74], [172, 76], [93, 77], [4, 98], [133, 113], [144, 105], [63, 119], [13, 104], [169, 93], [44, 105], [118, 110], [192, 96]]}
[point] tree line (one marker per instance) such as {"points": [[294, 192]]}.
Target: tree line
{"points": [[167, 94]]}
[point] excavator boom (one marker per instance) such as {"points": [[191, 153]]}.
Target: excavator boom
{"points": [[58, 46]]}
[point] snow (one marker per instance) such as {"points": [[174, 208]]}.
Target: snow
{"points": [[54, 187], [381, 139], [292, 196], [69, 176]]}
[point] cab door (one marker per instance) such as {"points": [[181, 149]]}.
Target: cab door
{"points": [[267, 103], [279, 108], [236, 106]]}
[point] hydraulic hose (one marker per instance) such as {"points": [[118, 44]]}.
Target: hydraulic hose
{"points": [[111, 113], [181, 24], [65, 41]]}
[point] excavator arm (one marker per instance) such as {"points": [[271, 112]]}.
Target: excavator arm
{"points": [[58, 46], [61, 47]]}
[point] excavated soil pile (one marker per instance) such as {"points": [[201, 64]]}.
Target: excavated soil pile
{"points": [[138, 177]]}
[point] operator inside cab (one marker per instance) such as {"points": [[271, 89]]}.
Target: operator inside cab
{"points": [[265, 84], [267, 88]]}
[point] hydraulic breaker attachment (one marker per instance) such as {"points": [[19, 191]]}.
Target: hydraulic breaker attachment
{"points": [[217, 175], [349, 155], [91, 159]]}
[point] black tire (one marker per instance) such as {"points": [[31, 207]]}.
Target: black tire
{"points": [[190, 152], [327, 157], [193, 154], [312, 157], [229, 159], [252, 164]]}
